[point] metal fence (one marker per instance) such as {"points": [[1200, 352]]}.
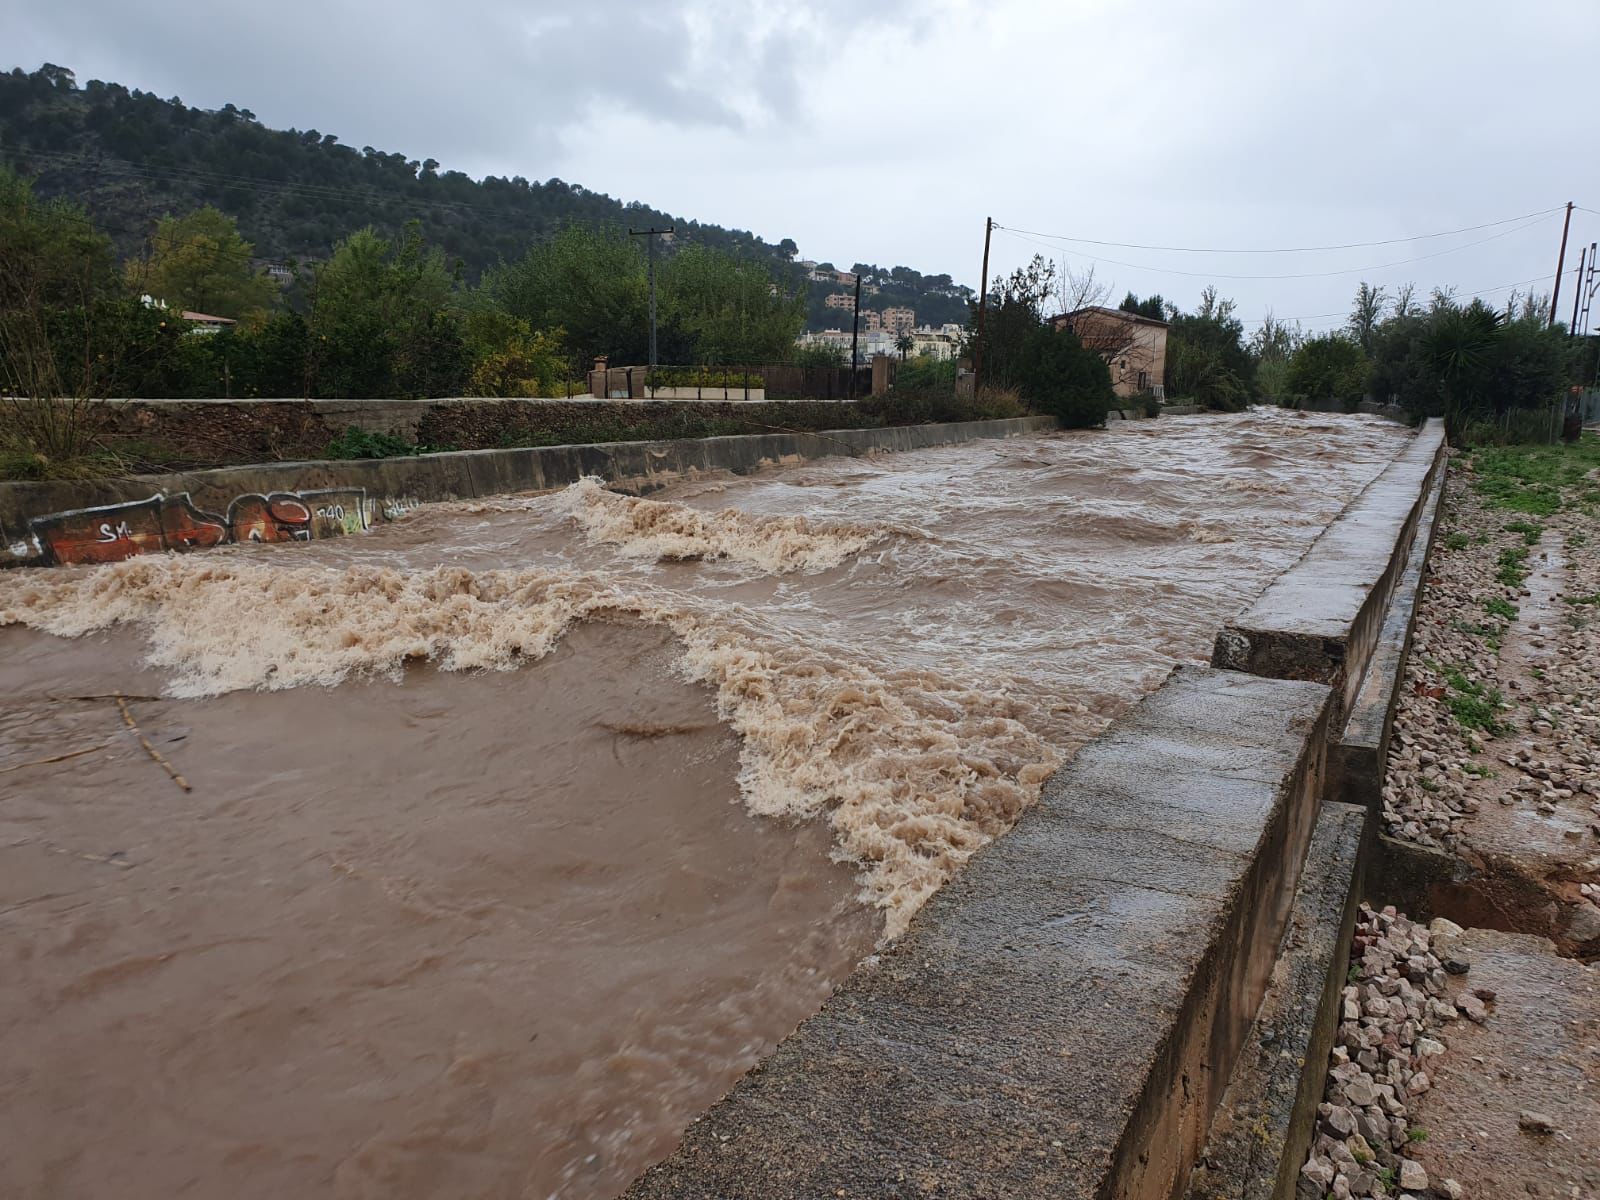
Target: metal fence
{"points": [[762, 381]]}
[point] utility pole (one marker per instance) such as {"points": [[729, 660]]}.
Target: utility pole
{"points": [[855, 338], [1577, 293], [1587, 287], [650, 236], [983, 307], [1561, 262]]}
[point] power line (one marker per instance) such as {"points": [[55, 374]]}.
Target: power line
{"points": [[1528, 224], [1061, 237]]}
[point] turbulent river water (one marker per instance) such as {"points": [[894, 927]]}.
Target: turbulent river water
{"points": [[426, 924]]}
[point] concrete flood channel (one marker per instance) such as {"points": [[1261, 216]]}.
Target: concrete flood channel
{"points": [[410, 923]]}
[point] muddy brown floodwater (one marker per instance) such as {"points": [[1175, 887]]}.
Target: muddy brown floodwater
{"points": [[429, 925]]}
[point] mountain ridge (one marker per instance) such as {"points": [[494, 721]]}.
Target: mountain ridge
{"points": [[130, 157]]}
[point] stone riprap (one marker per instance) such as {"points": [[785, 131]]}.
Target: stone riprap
{"points": [[1392, 1014], [1320, 619], [1061, 1019]]}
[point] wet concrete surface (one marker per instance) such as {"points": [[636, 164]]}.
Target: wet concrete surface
{"points": [[1538, 1052], [1319, 619]]}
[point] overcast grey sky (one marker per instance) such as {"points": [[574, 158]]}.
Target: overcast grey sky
{"points": [[887, 132]]}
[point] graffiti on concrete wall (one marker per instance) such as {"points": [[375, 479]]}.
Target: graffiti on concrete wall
{"points": [[113, 532]]}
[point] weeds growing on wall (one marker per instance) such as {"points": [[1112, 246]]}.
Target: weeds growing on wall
{"points": [[358, 443]]}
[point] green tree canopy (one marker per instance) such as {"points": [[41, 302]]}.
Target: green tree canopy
{"points": [[1206, 357], [591, 283], [1329, 367], [1152, 306], [200, 263], [1056, 374], [731, 309], [379, 323]]}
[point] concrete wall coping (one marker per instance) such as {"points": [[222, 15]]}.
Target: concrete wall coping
{"points": [[1375, 701], [1321, 617], [1321, 594], [1060, 1019]]}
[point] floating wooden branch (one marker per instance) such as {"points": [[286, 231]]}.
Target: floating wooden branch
{"points": [[127, 718]]}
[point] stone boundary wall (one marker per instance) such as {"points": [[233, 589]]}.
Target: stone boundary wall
{"points": [[409, 418], [111, 519]]}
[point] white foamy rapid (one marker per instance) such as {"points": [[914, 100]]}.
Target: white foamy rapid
{"points": [[652, 529], [916, 772], [910, 654]]}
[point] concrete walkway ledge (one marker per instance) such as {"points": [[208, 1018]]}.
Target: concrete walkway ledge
{"points": [[1320, 619], [1062, 1019], [1360, 756]]}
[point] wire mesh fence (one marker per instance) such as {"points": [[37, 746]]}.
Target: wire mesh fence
{"points": [[713, 382]]}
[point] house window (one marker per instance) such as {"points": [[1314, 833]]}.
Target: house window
{"points": [[1144, 381]]}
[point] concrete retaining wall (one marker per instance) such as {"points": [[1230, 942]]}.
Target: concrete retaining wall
{"points": [[1321, 618], [1086, 1009], [1371, 407], [1059, 1020], [1263, 1127], [83, 520], [1360, 754]]}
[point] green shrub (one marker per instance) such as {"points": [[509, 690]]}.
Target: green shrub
{"points": [[358, 443], [1055, 374]]}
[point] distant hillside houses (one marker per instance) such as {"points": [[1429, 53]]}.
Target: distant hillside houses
{"points": [[941, 344], [894, 320]]}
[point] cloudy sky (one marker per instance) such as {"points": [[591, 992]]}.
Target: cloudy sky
{"points": [[886, 132]]}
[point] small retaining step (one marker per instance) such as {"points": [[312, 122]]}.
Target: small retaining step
{"points": [[1061, 1019], [1320, 619]]}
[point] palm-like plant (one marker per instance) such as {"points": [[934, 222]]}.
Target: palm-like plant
{"points": [[903, 343], [1459, 347]]}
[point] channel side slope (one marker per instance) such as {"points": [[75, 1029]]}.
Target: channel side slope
{"points": [[1320, 619], [1062, 1018]]}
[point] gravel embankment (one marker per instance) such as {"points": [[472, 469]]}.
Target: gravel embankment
{"points": [[1496, 734], [1392, 1016]]}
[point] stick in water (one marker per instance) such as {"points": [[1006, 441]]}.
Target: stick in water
{"points": [[127, 718]]}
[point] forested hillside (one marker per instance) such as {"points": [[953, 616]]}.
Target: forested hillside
{"points": [[131, 157]]}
